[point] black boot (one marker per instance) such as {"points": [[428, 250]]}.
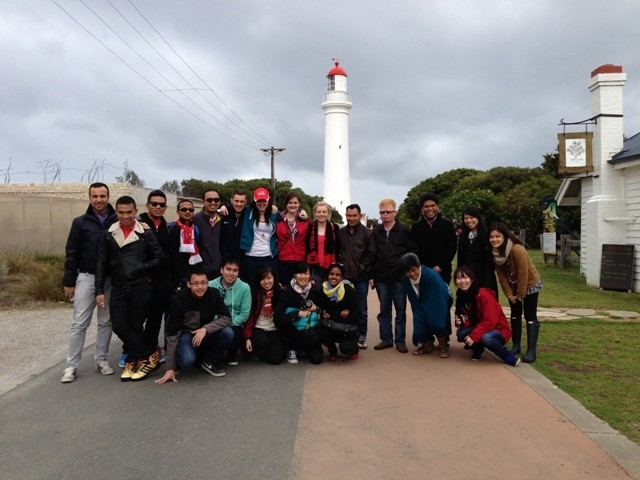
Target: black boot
{"points": [[532, 339], [516, 334]]}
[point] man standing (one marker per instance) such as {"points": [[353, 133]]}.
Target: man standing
{"points": [[79, 281], [354, 245], [237, 298], [231, 229], [129, 254], [435, 236], [183, 244], [389, 242], [192, 333], [161, 287], [209, 222]]}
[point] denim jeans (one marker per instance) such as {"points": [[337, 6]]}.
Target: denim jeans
{"points": [[211, 349], [362, 291], [84, 303], [492, 340], [388, 294]]}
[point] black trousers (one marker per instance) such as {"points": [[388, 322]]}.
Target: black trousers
{"points": [[348, 344], [268, 346], [129, 307]]}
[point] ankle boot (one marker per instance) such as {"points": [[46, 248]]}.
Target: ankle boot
{"points": [[532, 339], [516, 334]]}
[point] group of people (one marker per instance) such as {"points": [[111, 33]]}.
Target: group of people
{"points": [[248, 278]]}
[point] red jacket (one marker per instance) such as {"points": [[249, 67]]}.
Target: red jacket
{"points": [[292, 249], [490, 316]]}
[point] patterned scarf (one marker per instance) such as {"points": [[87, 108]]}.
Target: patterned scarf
{"points": [[303, 291], [335, 294], [187, 242], [267, 308]]}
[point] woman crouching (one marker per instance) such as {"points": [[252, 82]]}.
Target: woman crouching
{"points": [[480, 320], [297, 316], [339, 315], [430, 303]]}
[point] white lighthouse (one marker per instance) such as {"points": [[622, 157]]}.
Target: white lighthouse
{"points": [[336, 106]]}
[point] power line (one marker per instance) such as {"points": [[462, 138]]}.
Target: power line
{"points": [[250, 132], [195, 73], [144, 78], [249, 135], [155, 69]]}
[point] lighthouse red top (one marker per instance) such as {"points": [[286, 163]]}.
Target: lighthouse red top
{"points": [[337, 70]]}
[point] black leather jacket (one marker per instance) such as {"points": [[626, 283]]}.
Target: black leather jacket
{"points": [[129, 263]]}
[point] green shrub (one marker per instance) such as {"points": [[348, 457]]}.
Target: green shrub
{"points": [[19, 261], [43, 283]]}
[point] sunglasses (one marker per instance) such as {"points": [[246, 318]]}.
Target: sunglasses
{"points": [[212, 200], [185, 210], [158, 204], [386, 212]]}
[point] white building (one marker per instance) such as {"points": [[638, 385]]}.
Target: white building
{"points": [[336, 106], [609, 196]]}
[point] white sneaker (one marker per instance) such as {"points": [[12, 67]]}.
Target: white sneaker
{"points": [[69, 375], [104, 368], [292, 357]]}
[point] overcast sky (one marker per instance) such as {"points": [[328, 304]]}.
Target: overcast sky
{"points": [[435, 85]]}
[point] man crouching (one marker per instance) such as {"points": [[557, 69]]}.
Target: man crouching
{"points": [[199, 328]]}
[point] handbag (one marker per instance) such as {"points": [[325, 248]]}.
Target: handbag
{"points": [[339, 327]]}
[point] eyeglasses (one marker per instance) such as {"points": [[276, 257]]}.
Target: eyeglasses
{"points": [[185, 210], [199, 284], [212, 200], [386, 212], [158, 204]]}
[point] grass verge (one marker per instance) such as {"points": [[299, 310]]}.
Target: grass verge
{"points": [[596, 361]]}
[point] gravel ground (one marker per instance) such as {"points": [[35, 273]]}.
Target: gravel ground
{"points": [[33, 340]]}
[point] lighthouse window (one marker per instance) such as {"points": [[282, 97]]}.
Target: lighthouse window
{"points": [[332, 83]]}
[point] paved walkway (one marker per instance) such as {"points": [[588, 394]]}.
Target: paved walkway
{"points": [[385, 415]]}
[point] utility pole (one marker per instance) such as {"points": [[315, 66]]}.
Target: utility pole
{"points": [[273, 151]]}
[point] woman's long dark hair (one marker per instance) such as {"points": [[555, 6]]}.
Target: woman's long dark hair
{"points": [[506, 233], [256, 288], [267, 212], [474, 212], [467, 299]]}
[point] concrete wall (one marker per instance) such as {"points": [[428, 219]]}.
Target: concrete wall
{"points": [[37, 223], [38, 216]]}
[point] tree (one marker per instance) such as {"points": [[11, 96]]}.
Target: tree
{"points": [[551, 163], [441, 185], [453, 206], [171, 186], [130, 177]]}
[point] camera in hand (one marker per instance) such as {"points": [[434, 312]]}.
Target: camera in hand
{"points": [[307, 304]]}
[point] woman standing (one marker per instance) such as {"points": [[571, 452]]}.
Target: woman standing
{"points": [[339, 315], [291, 232], [260, 332], [521, 284], [258, 239], [322, 242], [474, 251], [479, 318], [297, 316]]}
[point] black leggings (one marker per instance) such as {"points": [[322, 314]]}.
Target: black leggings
{"points": [[529, 305]]}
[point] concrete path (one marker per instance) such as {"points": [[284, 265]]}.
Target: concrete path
{"points": [[385, 415]]}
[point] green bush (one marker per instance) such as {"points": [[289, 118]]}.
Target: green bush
{"points": [[42, 283], [19, 261]]}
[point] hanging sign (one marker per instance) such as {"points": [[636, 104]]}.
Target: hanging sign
{"points": [[575, 152]]}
